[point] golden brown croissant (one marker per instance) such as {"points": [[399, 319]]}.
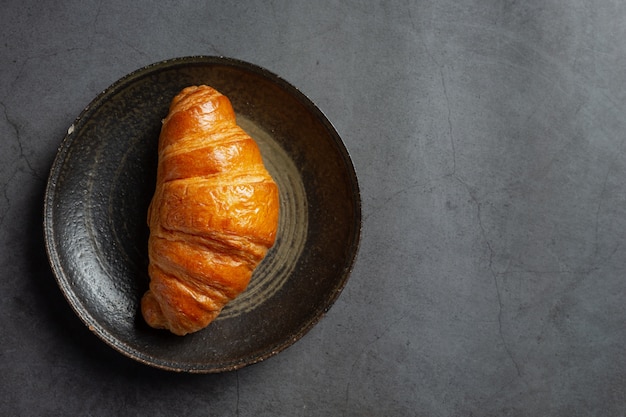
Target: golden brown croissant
{"points": [[213, 216]]}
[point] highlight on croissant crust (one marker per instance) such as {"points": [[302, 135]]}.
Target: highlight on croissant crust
{"points": [[213, 216]]}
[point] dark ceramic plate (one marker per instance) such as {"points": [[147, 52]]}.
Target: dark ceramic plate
{"points": [[102, 181]]}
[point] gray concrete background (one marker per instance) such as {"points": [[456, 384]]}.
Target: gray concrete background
{"points": [[488, 137]]}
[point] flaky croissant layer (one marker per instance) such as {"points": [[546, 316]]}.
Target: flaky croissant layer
{"points": [[213, 216]]}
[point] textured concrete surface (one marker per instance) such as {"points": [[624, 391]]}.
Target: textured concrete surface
{"points": [[488, 137]]}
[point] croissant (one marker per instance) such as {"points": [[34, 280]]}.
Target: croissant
{"points": [[213, 216]]}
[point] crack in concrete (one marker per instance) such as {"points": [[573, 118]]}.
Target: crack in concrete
{"points": [[378, 208], [444, 87], [18, 138], [5, 195], [453, 174], [493, 273], [450, 132], [30, 56]]}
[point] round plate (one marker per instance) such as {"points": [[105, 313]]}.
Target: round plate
{"points": [[102, 181]]}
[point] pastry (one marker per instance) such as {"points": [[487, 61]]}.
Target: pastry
{"points": [[213, 216]]}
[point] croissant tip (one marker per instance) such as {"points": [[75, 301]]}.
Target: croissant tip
{"points": [[151, 311]]}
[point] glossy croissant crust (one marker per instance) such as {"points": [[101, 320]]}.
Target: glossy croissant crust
{"points": [[213, 217]]}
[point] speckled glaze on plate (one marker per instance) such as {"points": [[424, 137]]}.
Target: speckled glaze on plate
{"points": [[103, 178]]}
